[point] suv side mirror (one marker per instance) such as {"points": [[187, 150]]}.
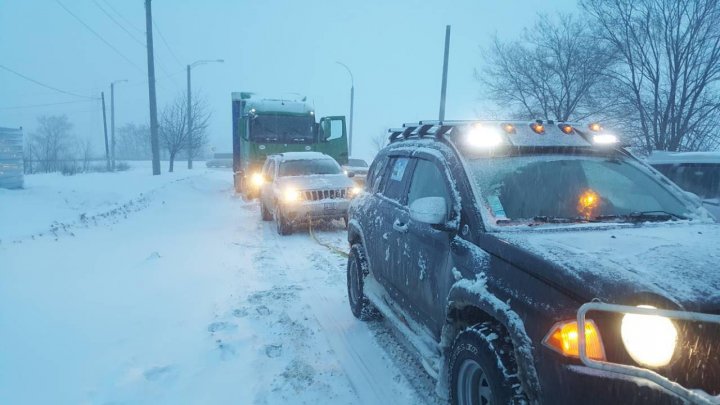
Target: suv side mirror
{"points": [[429, 210]]}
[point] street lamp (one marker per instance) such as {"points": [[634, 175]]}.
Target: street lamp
{"points": [[352, 102], [189, 105], [112, 120]]}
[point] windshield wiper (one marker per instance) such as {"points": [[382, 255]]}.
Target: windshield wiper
{"points": [[642, 216], [556, 220]]}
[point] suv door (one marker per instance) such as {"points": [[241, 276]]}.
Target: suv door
{"points": [[427, 264], [393, 226]]}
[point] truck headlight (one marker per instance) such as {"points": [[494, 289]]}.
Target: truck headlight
{"points": [[649, 339], [291, 195], [257, 179]]}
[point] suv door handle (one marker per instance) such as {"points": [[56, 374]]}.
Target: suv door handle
{"points": [[399, 226]]}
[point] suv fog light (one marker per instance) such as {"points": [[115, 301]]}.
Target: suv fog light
{"points": [[649, 339], [563, 338]]}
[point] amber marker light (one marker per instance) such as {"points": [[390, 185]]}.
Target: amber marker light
{"points": [[508, 128], [566, 128], [595, 127], [537, 127], [563, 338], [588, 203]]}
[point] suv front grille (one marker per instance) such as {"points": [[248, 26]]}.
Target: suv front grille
{"points": [[315, 195]]}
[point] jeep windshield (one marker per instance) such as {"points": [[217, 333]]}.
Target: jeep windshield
{"points": [[557, 188], [308, 167], [273, 128]]}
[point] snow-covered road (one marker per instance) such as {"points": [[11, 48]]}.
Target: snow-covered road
{"points": [[179, 293]]}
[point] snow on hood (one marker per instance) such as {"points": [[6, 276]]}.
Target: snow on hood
{"points": [[316, 182], [677, 261]]}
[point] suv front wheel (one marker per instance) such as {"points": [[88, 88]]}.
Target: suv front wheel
{"points": [[483, 368], [357, 270], [283, 226]]}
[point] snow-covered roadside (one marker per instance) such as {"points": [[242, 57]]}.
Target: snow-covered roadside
{"points": [[192, 299], [52, 203]]}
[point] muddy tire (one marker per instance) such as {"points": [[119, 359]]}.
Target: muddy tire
{"points": [[483, 369], [357, 270]]}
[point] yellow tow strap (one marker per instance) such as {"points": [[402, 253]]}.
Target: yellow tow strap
{"points": [[327, 245]]}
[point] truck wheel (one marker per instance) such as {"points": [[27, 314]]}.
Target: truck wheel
{"points": [[282, 225], [357, 270], [483, 369], [264, 213]]}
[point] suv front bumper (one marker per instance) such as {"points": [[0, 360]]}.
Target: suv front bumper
{"points": [[303, 211]]}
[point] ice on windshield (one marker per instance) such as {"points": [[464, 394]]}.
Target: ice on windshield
{"points": [[555, 187], [307, 167]]}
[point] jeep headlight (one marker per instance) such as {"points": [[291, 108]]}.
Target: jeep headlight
{"points": [[257, 179], [291, 195], [355, 191], [649, 339]]}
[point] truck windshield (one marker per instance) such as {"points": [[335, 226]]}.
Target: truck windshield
{"points": [[308, 167], [282, 129], [572, 188]]}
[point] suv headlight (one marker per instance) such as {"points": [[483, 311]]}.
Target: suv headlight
{"points": [[354, 191], [649, 339], [291, 195]]}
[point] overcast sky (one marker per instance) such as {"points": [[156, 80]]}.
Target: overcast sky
{"points": [[394, 48]]}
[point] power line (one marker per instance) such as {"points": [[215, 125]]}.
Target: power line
{"points": [[118, 24], [99, 36], [43, 84], [162, 37], [122, 17], [22, 107]]}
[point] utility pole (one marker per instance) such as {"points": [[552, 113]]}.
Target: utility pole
{"points": [[352, 105], [112, 121], [189, 121], [107, 151], [443, 90], [155, 145]]}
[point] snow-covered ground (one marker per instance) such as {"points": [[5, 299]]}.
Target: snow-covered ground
{"points": [[129, 288]]}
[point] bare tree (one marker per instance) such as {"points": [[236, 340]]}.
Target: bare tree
{"points": [[173, 127], [551, 73], [665, 83], [51, 142], [133, 142], [379, 141], [84, 151]]}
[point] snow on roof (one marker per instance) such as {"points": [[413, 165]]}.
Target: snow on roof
{"points": [[293, 103], [303, 156], [659, 157]]}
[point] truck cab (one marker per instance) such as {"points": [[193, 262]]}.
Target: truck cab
{"points": [[268, 126]]}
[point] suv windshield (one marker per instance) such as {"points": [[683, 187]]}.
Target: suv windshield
{"points": [[308, 167], [282, 129], [572, 188]]}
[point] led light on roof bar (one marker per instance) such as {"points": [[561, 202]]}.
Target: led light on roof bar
{"points": [[566, 128], [605, 139], [595, 127], [538, 128], [509, 128], [484, 137]]}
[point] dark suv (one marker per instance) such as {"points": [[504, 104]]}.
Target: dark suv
{"points": [[538, 262]]}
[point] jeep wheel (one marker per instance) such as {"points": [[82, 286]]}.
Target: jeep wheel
{"points": [[357, 270], [264, 213], [282, 225], [483, 368]]}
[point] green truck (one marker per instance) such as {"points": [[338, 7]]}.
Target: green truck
{"points": [[264, 126]]}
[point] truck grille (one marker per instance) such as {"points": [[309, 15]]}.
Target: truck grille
{"points": [[315, 195]]}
